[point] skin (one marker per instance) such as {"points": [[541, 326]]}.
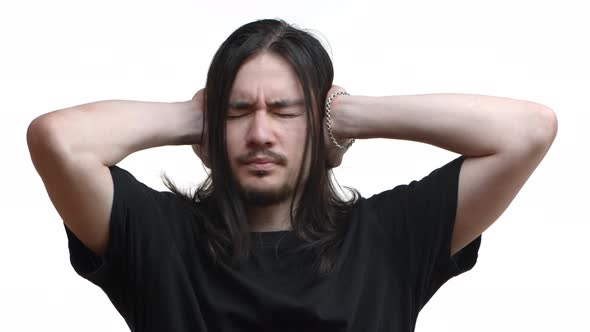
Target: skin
{"points": [[503, 140], [267, 119]]}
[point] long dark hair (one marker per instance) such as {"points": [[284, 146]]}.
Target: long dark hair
{"points": [[321, 217]]}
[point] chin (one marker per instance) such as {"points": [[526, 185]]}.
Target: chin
{"points": [[265, 195]]}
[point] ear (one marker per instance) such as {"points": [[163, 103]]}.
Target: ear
{"points": [[201, 152]]}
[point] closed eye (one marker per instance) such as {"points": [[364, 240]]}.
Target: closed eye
{"points": [[234, 114], [237, 113], [287, 109], [288, 115], [280, 108]]}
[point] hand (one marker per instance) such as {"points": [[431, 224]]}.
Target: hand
{"points": [[335, 155], [200, 148]]}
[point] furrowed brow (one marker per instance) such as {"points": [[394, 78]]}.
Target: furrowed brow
{"points": [[286, 103], [242, 104]]}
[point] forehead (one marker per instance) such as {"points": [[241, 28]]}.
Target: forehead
{"points": [[266, 75]]}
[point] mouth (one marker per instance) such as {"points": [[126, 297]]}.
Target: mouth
{"points": [[260, 164]]}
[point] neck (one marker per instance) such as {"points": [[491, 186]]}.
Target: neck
{"points": [[269, 218]]}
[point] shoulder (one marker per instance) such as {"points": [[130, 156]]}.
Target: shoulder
{"points": [[388, 199], [163, 209], [382, 211]]}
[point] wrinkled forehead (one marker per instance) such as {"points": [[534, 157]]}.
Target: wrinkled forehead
{"points": [[266, 77]]}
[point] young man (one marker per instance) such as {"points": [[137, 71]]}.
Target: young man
{"points": [[266, 243]]}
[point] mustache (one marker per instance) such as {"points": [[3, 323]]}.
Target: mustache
{"points": [[267, 154]]}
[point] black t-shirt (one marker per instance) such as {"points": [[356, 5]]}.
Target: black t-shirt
{"points": [[395, 256]]}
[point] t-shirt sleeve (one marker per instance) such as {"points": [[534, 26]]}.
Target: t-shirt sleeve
{"points": [[136, 239], [421, 218]]}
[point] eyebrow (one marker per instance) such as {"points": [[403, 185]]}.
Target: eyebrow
{"points": [[276, 103]]}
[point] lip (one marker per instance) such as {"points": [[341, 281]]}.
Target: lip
{"points": [[260, 164]]}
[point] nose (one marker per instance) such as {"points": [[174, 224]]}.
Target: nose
{"points": [[260, 133]]}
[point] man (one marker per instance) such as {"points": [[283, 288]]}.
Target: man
{"points": [[266, 243]]}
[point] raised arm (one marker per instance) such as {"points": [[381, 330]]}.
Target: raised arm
{"points": [[72, 149], [503, 139]]}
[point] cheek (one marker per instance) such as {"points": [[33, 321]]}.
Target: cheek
{"points": [[232, 135]]}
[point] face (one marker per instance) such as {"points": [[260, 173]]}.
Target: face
{"points": [[266, 130]]}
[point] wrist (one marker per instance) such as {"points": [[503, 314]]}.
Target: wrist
{"points": [[189, 120], [345, 116]]}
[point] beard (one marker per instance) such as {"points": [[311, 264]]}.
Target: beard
{"points": [[261, 197]]}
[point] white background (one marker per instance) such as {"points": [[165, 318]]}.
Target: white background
{"points": [[533, 270]]}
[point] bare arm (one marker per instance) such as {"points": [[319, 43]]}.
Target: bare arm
{"points": [[503, 139], [72, 148], [113, 129]]}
